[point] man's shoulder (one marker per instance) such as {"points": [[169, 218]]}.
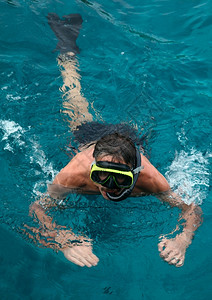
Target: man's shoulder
{"points": [[81, 162], [76, 172], [150, 179], [69, 178]]}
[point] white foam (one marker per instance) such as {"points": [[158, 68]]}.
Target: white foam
{"points": [[12, 97], [10, 127], [188, 175], [38, 156], [13, 130], [14, 134]]}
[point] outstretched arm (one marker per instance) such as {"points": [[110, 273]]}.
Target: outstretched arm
{"points": [[77, 249], [173, 250]]}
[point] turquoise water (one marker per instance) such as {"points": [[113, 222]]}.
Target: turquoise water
{"points": [[148, 63]]}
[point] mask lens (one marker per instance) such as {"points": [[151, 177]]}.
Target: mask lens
{"points": [[106, 176], [103, 175], [123, 180], [120, 178]]}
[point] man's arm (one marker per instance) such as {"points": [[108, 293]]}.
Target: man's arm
{"points": [[191, 213], [173, 250], [77, 249]]}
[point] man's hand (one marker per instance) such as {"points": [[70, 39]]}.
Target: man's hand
{"points": [[81, 255], [173, 250], [77, 249]]}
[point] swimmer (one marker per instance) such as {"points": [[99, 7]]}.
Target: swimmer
{"points": [[112, 166]]}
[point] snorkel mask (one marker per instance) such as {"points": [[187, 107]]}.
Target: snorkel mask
{"points": [[116, 176]]}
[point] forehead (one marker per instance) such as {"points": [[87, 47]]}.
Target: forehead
{"points": [[111, 158]]}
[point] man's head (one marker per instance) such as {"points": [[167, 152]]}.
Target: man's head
{"points": [[117, 149]]}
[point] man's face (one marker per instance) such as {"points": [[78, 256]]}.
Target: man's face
{"points": [[104, 190]]}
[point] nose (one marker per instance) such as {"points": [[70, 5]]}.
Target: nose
{"points": [[111, 183]]}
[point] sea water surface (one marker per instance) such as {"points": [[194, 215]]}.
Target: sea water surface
{"points": [[147, 63]]}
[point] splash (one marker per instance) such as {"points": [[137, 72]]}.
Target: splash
{"points": [[12, 134], [15, 138], [39, 158], [188, 175]]}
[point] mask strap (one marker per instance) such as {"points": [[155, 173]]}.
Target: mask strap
{"points": [[138, 169]]}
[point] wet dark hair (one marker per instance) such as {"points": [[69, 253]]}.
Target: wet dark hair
{"points": [[118, 146]]}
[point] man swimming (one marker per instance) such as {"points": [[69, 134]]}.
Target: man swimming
{"points": [[111, 166], [114, 168]]}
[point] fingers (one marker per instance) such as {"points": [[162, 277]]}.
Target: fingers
{"points": [[162, 245], [81, 256], [170, 253], [172, 257], [180, 263], [86, 257], [167, 255], [164, 250], [76, 261]]}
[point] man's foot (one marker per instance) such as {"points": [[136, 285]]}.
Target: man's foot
{"points": [[66, 31]]}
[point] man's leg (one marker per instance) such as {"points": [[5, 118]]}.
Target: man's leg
{"points": [[67, 31]]}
